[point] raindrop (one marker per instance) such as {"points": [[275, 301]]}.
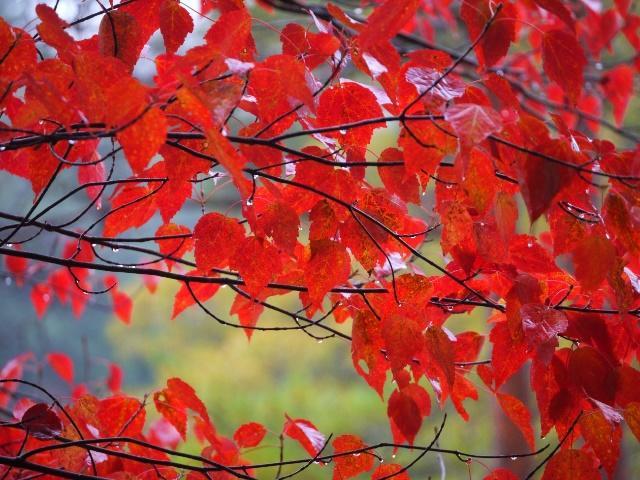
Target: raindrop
{"points": [[357, 11], [449, 186], [598, 66], [356, 454], [7, 281], [94, 245], [2, 148], [514, 458], [9, 245], [393, 456], [115, 250], [582, 215], [41, 122], [98, 207], [319, 341], [72, 142], [249, 202], [529, 244]]}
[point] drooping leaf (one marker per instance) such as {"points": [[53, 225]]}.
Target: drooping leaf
{"points": [[328, 267], [175, 24], [152, 127], [519, 414], [570, 464], [603, 437], [564, 62], [496, 40]]}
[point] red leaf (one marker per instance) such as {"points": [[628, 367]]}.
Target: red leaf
{"points": [[406, 408], [386, 21], [114, 380], [396, 179], [183, 299], [501, 474], [120, 36], [617, 84], [402, 340], [62, 365], [217, 239], [175, 24], [571, 464], [473, 123], [591, 274], [390, 470], [541, 323], [121, 416], [348, 466], [304, 432], [279, 84], [258, 262], [632, 417], [591, 372], [312, 48], [249, 435], [135, 207], [173, 247], [603, 437], [558, 9], [346, 103], [497, 39], [41, 422], [173, 401], [18, 50], [542, 180], [328, 267], [366, 344], [41, 298], [152, 127], [519, 415], [564, 62], [17, 266]]}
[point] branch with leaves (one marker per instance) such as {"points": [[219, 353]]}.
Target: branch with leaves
{"points": [[228, 166]]}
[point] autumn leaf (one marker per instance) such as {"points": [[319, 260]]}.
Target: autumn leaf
{"points": [[564, 62], [249, 435], [328, 267], [305, 433], [351, 465], [62, 364], [175, 24]]}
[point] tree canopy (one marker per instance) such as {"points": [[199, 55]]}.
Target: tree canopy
{"points": [[235, 166]]}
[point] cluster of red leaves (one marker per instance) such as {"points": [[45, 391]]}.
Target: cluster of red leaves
{"points": [[486, 144]]}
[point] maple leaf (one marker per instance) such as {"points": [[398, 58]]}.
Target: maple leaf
{"points": [[564, 61], [175, 24], [472, 123], [328, 267]]}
